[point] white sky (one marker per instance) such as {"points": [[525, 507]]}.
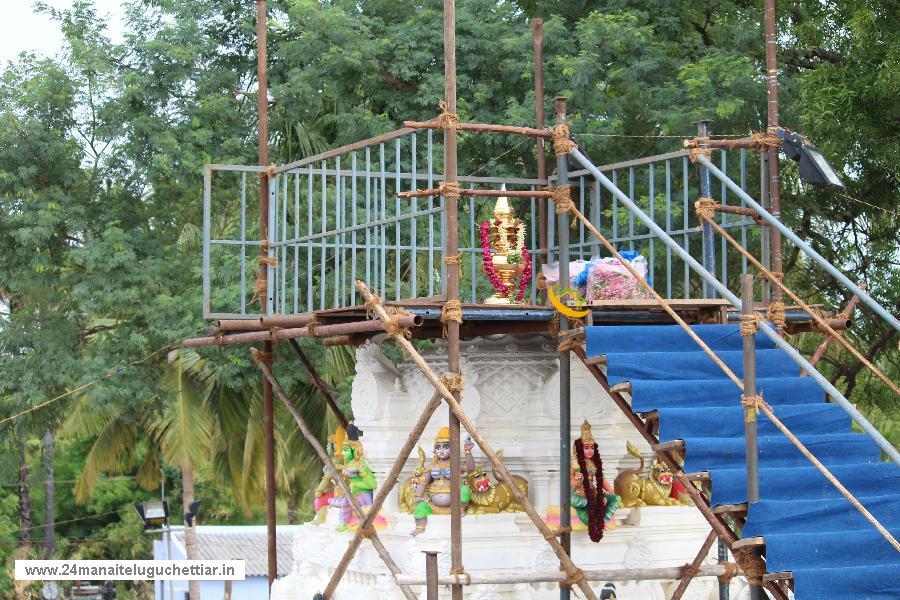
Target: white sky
{"points": [[23, 30]]}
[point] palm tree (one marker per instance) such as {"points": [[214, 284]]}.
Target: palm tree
{"points": [[197, 419]]}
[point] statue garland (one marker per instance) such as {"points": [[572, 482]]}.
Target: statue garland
{"points": [[592, 484]]}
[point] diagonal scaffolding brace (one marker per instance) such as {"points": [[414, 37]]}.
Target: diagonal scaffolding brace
{"points": [[323, 387], [364, 529], [390, 481]]}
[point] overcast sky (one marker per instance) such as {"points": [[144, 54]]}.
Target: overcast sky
{"points": [[23, 30]]}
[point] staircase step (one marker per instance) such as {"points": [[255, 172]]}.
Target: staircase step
{"points": [[866, 582], [628, 366], [802, 419], [805, 482], [778, 451], [650, 394], [817, 549], [667, 338], [836, 514]]}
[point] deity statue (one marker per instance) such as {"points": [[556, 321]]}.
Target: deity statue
{"points": [[431, 488], [326, 490], [593, 498], [657, 489], [357, 474]]}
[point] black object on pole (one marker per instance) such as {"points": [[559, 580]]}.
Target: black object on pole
{"points": [[814, 167]]}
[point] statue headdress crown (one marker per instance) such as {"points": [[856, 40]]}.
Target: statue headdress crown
{"points": [[586, 436], [353, 434], [443, 435]]}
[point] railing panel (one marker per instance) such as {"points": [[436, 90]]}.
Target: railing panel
{"points": [[230, 240], [336, 217], [665, 187]]}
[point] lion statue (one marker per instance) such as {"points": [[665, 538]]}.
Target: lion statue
{"points": [[489, 497], [653, 490]]}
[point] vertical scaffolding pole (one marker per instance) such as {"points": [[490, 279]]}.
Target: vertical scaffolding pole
{"points": [[431, 575], [765, 242], [709, 242], [565, 389], [537, 39], [262, 106], [774, 170], [451, 249], [750, 438]]}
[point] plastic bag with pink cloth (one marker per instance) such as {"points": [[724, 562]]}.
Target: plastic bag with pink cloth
{"points": [[551, 272], [608, 279]]}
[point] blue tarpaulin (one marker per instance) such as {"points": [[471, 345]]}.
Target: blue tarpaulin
{"points": [[810, 529]]}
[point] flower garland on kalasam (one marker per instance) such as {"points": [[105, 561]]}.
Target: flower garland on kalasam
{"points": [[519, 253]]}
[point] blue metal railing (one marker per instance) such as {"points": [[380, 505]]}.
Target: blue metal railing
{"points": [[335, 217]]}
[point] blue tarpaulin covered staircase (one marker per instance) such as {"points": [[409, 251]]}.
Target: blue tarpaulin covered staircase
{"points": [[810, 529]]}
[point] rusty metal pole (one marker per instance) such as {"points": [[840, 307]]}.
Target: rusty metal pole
{"points": [[750, 439], [431, 575], [262, 106], [537, 40], [323, 387], [565, 384], [709, 242], [772, 110], [451, 249]]}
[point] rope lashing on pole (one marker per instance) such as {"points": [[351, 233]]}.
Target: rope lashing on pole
{"points": [[699, 147], [311, 328], [453, 260], [705, 208], [750, 324], [453, 381], [765, 140], [775, 314], [562, 142], [731, 571], [562, 198], [753, 404], [451, 311], [763, 407], [447, 119], [570, 343], [458, 572], [573, 578], [449, 189], [689, 571], [392, 325]]}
